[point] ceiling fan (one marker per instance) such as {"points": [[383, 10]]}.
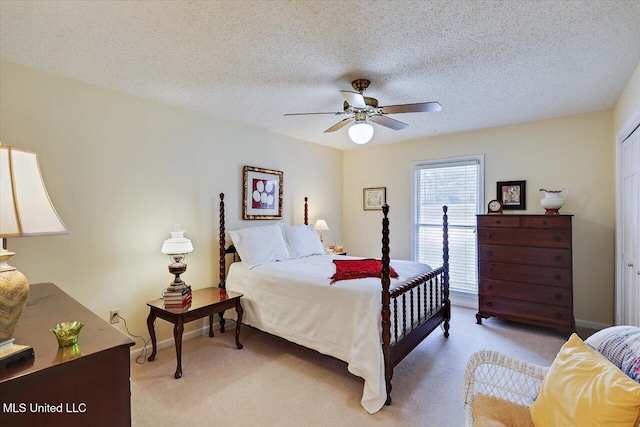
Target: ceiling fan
{"points": [[363, 109]]}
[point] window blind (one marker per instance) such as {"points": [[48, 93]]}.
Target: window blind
{"points": [[457, 184]]}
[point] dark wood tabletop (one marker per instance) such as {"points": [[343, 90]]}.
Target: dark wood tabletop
{"points": [[86, 384], [47, 306]]}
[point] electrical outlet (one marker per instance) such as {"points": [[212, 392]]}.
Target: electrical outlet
{"points": [[114, 316]]}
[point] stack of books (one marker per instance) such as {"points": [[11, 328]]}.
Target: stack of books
{"points": [[177, 296]]}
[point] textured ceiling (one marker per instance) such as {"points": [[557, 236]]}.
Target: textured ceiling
{"points": [[489, 63]]}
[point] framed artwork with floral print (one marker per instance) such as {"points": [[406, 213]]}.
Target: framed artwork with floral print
{"points": [[262, 195]]}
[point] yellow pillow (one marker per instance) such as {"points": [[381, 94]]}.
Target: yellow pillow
{"points": [[582, 388], [491, 411]]}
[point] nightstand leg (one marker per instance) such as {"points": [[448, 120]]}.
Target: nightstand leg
{"points": [[177, 336], [152, 334], [211, 325], [239, 311], [222, 321]]}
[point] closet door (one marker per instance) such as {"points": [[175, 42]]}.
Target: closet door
{"points": [[630, 286]]}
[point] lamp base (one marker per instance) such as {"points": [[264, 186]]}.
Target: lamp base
{"points": [[11, 353], [177, 268]]}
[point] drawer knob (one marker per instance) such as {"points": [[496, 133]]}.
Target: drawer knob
{"points": [[489, 253], [557, 257], [498, 222], [558, 277], [558, 296], [489, 304], [489, 287], [558, 315], [545, 222], [557, 238], [489, 270], [488, 235]]}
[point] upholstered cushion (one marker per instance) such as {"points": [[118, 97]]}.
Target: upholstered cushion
{"points": [[260, 245], [582, 388], [303, 241], [490, 411], [621, 345]]}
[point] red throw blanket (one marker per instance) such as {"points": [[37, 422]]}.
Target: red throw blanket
{"points": [[358, 268]]}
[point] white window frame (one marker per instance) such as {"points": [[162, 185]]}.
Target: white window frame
{"points": [[457, 298]]}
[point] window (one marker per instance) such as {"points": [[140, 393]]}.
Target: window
{"points": [[457, 183]]}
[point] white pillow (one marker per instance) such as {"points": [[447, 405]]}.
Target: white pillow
{"points": [[260, 245], [303, 241]]}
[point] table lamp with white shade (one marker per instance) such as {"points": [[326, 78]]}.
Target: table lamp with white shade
{"points": [[321, 225], [25, 210]]}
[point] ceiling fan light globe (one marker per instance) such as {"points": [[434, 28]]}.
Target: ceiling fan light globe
{"points": [[361, 133]]}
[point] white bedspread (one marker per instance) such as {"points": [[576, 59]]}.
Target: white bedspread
{"points": [[294, 300]]}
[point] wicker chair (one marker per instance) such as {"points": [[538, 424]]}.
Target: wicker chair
{"points": [[494, 374]]}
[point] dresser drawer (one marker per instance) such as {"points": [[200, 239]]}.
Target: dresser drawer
{"points": [[498, 221], [524, 292], [550, 276], [526, 311], [549, 257], [547, 221], [538, 238]]}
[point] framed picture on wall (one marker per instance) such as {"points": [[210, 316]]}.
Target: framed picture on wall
{"points": [[374, 198], [512, 194], [262, 195]]}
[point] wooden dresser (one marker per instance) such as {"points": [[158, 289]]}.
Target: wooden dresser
{"points": [[84, 385], [525, 269]]}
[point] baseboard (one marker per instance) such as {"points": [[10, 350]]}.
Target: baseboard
{"points": [[464, 301], [591, 325], [170, 342]]}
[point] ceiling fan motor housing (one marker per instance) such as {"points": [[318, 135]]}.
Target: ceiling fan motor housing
{"points": [[360, 84]]}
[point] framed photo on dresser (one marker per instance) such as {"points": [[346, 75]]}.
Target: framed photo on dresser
{"points": [[512, 194], [262, 193]]}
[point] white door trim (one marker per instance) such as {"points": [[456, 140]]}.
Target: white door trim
{"points": [[627, 129]]}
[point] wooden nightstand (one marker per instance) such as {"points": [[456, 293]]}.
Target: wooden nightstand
{"points": [[205, 302]]}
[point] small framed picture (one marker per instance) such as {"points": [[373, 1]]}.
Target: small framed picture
{"points": [[374, 198], [262, 195], [512, 194]]}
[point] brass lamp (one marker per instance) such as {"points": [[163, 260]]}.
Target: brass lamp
{"points": [[177, 247], [25, 210]]}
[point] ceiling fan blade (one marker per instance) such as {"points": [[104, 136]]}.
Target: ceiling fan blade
{"points": [[340, 124], [307, 114], [354, 99], [389, 122], [422, 107]]}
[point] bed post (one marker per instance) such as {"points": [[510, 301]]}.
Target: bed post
{"points": [[386, 301], [223, 261], [306, 211], [445, 263]]}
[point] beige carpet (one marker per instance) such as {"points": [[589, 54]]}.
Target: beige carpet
{"points": [[272, 382]]}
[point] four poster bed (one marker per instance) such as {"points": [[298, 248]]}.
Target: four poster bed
{"points": [[372, 328]]}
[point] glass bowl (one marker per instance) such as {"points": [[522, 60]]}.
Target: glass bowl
{"points": [[67, 333]]}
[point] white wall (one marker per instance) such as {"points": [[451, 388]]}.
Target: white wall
{"points": [[575, 152], [122, 170]]}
